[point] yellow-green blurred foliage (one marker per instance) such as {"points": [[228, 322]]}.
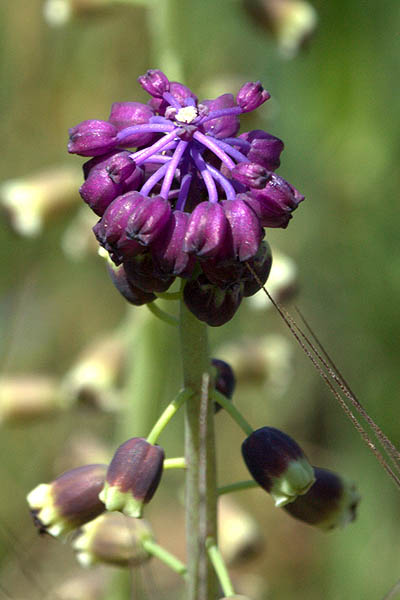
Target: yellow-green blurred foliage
{"points": [[335, 106]]}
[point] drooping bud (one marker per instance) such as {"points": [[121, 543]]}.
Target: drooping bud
{"points": [[331, 501], [92, 138], [247, 232], [106, 178], [127, 114], [133, 294], [144, 274], [265, 149], [251, 95], [251, 174], [113, 539], [210, 303], [274, 203], [69, 501], [208, 233], [278, 464], [33, 201], [225, 380], [148, 219], [221, 127], [168, 247], [110, 231], [27, 397], [154, 82], [132, 477], [261, 265]]}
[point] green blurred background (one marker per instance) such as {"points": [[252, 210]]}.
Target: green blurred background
{"points": [[335, 105]]}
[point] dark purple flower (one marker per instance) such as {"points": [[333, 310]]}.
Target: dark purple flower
{"points": [[251, 95], [92, 138], [278, 464], [130, 292], [331, 502], [221, 126], [132, 477], [69, 501], [225, 380], [142, 273], [261, 265], [210, 303]]}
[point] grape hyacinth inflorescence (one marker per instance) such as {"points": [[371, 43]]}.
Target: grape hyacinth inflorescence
{"points": [[192, 199]]}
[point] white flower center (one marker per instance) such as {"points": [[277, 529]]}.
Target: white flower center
{"points": [[186, 114]]}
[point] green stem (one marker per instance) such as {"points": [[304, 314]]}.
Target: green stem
{"points": [[167, 415], [161, 314], [166, 557], [201, 493], [232, 410], [220, 567], [169, 295], [175, 463], [237, 487]]}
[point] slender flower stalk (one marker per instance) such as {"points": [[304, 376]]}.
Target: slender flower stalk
{"points": [[220, 567], [167, 415]]}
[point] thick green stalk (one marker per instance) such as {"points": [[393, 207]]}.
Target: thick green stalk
{"points": [[201, 492]]}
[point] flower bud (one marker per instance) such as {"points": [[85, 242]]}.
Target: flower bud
{"points": [[246, 229], [69, 501], [148, 219], [26, 397], [251, 174], [251, 95], [107, 177], [261, 264], [168, 247], [274, 203], [265, 149], [127, 114], [278, 464], [154, 82], [92, 137], [224, 381], [113, 539], [220, 127], [208, 233], [110, 231], [331, 501], [133, 294], [142, 273], [210, 303], [31, 202], [132, 477]]}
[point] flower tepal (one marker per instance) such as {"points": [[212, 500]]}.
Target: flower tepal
{"points": [[176, 188]]}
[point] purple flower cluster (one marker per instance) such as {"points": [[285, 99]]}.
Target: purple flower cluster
{"points": [[191, 200]]}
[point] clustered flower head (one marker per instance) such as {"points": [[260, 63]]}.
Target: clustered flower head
{"points": [[191, 200]]}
